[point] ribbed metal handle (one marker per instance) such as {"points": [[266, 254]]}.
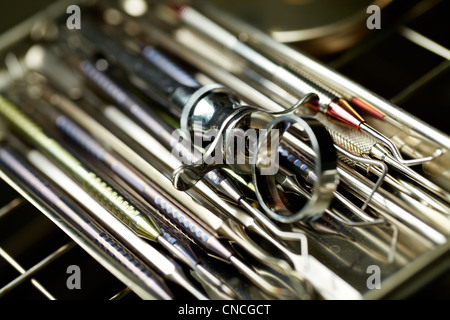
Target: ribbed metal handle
{"points": [[104, 193]]}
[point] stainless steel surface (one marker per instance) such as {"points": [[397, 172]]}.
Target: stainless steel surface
{"points": [[383, 214]]}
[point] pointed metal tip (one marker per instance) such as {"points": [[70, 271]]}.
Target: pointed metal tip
{"points": [[342, 111], [146, 227]]}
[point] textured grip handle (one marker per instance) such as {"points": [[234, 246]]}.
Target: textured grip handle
{"points": [[80, 136], [211, 29], [190, 227], [296, 165], [104, 193], [110, 198], [128, 102], [169, 67]]}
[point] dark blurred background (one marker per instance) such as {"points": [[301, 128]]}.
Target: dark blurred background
{"points": [[15, 11]]}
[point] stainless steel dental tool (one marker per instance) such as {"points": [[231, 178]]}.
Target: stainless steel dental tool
{"points": [[131, 216], [118, 259], [180, 252], [193, 56], [301, 83], [120, 120], [203, 64], [199, 116], [223, 169], [379, 152], [165, 206]]}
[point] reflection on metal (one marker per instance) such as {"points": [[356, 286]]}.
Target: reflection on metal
{"points": [[99, 106]]}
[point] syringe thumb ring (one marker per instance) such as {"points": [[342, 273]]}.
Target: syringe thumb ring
{"points": [[213, 107], [325, 170]]}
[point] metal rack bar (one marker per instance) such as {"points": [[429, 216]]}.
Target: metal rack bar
{"points": [[37, 267], [421, 82], [403, 95], [16, 204], [121, 294], [11, 206], [424, 42], [418, 10], [22, 271]]}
